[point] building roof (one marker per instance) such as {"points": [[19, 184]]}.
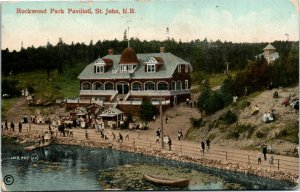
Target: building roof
{"points": [[111, 112], [269, 46], [170, 63]]}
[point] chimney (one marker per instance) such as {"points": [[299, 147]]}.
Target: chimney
{"points": [[162, 49], [110, 51]]}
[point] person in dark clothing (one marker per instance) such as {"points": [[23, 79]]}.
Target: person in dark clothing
{"points": [[158, 132], [207, 143], [120, 137], [12, 126], [63, 130], [20, 127], [203, 147], [166, 120], [6, 126], [270, 86], [169, 143], [265, 151]]}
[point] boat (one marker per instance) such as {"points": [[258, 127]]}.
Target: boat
{"points": [[166, 181], [32, 147]]}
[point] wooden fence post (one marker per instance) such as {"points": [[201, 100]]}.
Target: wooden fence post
{"points": [[226, 155], [180, 149], [150, 144], [278, 164], [248, 159]]}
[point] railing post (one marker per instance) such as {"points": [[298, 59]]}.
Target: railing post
{"points": [[248, 159], [180, 149], [226, 156], [278, 164], [150, 144]]}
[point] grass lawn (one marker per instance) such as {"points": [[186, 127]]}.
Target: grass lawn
{"points": [[58, 85]]}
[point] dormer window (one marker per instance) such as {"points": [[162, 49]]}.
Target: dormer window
{"points": [[150, 68], [99, 68]]}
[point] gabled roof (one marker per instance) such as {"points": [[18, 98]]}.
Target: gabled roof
{"points": [[166, 70], [269, 46]]}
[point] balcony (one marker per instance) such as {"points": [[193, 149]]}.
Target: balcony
{"points": [[97, 92]]}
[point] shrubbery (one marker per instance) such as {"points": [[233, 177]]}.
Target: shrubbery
{"points": [[229, 117]]}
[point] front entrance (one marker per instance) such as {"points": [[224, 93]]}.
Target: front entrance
{"points": [[122, 88]]}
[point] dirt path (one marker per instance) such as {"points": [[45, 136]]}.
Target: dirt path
{"points": [[145, 140]]}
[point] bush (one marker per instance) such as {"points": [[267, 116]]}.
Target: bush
{"points": [[289, 133], [229, 117], [237, 130], [196, 122], [147, 109], [260, 134]]}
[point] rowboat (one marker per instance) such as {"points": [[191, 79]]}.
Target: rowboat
{"points": [[166, 181], [33, 147]]}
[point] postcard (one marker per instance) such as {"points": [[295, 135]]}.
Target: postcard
{"points": [[149, 95]]}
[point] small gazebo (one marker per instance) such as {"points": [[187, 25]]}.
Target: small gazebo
{"points": [[112, 115]]}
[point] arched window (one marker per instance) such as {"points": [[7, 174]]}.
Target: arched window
{"points": [[136, 86], [186, 84], [173, 85], [162, 86], [149, 86], [86, 86], [178, 85], [97, 86], [109, 86]]}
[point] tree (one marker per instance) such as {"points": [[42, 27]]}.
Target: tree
{"points": [[147, 109]]}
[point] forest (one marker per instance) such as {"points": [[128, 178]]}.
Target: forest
{"points": [[206, 56]]}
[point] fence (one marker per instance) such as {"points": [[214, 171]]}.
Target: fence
{"points": [[181, 149]]}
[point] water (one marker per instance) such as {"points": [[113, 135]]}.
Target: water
{"points": [[61, 167]]}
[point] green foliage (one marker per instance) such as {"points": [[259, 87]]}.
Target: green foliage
{"points": [[147, 109], [211, 136], [229, 117], [289, 132], [9, 86], [228, 90], [210, 101], [196, 122], [236, 131], [261, 134]]}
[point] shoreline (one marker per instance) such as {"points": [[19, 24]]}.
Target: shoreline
{"points": [[204, 162]]}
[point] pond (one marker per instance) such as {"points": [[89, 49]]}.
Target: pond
{"points": [[64, 167]]}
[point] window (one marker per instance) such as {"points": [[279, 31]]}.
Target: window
{"points": [[150, 68], [173, 85], [109, 86], [179, 68], [149, 86], [86, 86], [97, 86], [136, 86], [186, 68], [178, 85], [99, 68], [162, 86], [186, 84]]}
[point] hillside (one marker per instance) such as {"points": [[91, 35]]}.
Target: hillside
{"points": [[249, 131]]}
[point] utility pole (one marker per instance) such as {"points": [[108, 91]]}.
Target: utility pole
{"points": [[161, 124]]}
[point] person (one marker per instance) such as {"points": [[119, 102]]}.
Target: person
{"points": [[270, 86], [265, 151], [154, 118], [166, 120], [165, 139], [158, 132], [179, 135], [12, 126], [270, 149], [20, 127], [6, 126], [120, 137], [259, 158], [286, 102], [114, 136], [275, 95], [246, 91], [234, 98], [127, 137], [255, 110], [207, 143], [187, 101], [169, 143], [157, 139], [271, 161], [203, 147]]}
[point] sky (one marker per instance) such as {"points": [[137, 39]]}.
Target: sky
{"points": [[225, 20]]}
